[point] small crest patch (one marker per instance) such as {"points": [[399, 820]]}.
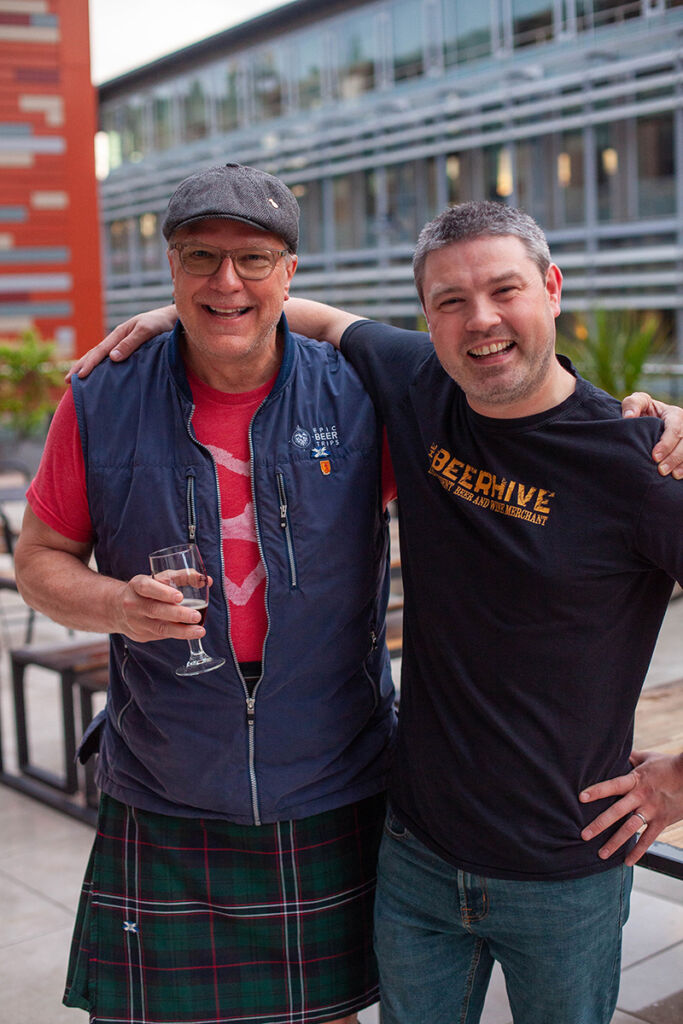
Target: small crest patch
{"points": [[325, 467]]}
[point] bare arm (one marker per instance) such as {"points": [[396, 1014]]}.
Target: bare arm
{"points": [[317, 320], [654, 789], [314, 319], [124, 339], [668, 452], [53, 576], [327, 323]]}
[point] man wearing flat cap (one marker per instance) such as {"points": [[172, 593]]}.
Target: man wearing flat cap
{"points": [[233, 871]]}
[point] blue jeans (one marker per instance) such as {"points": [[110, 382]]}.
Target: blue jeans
{"points": [[439, 930]]}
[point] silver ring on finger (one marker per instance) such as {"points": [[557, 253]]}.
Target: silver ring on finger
{"points": [[642, 817]]}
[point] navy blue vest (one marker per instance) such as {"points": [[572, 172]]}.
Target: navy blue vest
{"points": [[320, 729]]}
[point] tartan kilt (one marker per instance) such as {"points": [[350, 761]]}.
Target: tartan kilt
{"points": [[201, 921]]}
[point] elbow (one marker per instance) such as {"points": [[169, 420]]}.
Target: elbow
{"points": [[22, 571]]}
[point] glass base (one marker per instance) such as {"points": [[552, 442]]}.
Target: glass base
{"points": [[196, 666]]}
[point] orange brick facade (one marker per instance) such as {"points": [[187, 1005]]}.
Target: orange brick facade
{"points": [[49, 236]]}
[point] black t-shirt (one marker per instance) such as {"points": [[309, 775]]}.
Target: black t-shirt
{"points": [[537, 557]]}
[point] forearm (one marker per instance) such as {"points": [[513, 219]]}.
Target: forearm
{"points": [[64, 588], [53, 576], [319, 321]]}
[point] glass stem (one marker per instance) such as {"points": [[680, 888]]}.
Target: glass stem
{"points": [[197, 652]]}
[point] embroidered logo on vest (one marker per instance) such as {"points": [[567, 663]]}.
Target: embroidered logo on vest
{"points": [[301, 438]]}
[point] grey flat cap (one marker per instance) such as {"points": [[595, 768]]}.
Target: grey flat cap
{"points": [[235, 192]]}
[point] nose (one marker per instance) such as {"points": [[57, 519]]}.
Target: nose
{"points": [[483, 315], [226, 276]]}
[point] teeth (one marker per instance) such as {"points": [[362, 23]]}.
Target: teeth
{"points": [[489, 350], [227, 312]]}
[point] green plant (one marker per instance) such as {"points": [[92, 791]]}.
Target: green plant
{"points": [[31, 383], [610, 347]]}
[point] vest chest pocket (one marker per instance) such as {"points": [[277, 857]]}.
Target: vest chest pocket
{"points": [[286, 527]]}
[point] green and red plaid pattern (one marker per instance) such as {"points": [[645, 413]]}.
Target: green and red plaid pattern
{"points": [[198, 921]]}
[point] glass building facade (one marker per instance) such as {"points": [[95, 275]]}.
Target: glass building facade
{"points": [[379, 114]]}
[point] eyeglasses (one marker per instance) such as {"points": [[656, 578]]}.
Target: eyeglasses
{"points": [[204, 260]]}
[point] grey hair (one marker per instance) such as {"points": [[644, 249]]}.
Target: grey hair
{"points": [[476, 220]]}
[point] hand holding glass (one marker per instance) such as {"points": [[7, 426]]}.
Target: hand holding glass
{"points": [[182, 568]]}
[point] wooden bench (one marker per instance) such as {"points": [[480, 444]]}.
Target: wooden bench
{"points": [[77, 664]]}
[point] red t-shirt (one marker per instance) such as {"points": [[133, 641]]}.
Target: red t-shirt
{"points": [[221, 421]]}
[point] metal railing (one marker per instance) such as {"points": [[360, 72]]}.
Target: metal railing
{"points": [[665, 381]]}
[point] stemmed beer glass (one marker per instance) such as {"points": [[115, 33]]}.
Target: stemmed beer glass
{"points": [[182, 567]]}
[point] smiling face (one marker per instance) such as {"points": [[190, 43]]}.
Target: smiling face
{"points": [[491, 316], [230, 324]]}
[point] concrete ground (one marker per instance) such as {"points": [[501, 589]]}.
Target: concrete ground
{"points": [[43, 855]]}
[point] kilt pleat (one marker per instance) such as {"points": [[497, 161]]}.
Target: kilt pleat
{"points": [[200, 921]]}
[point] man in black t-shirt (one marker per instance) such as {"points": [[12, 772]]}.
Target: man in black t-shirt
{"points": [[539, 546]]}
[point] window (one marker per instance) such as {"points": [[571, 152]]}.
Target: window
{"points": [[162, 122], [467, 31], [309, 197], [498, 173], [595, 13], [611, 171], [402, 217], [132, 136], [109, 123], [227, 110], [411, 199], [408, 39], [356, 49], [606, 12], [532, 22], [269, 79], [119, 246], [656, 170], [149, 245], [308, 60], [534, 178], [195, 114], [570, 176], [355, 210], [460, 175]]}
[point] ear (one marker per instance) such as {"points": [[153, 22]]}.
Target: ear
{"points": [[290, 270], [171, 263], [425, 314], [553, 287]]}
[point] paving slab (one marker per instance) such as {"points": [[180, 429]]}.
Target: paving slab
{"points": [[654, 987], [654, 925], [32, 976]]}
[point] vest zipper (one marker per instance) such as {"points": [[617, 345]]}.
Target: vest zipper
{"points": [[124, 665], [193, 527], [286, 526], [251, 709], [251, 698]]}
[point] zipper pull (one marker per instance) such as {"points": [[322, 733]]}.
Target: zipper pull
{"points": [[283, 516], [373, 639], [251, 702]]}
